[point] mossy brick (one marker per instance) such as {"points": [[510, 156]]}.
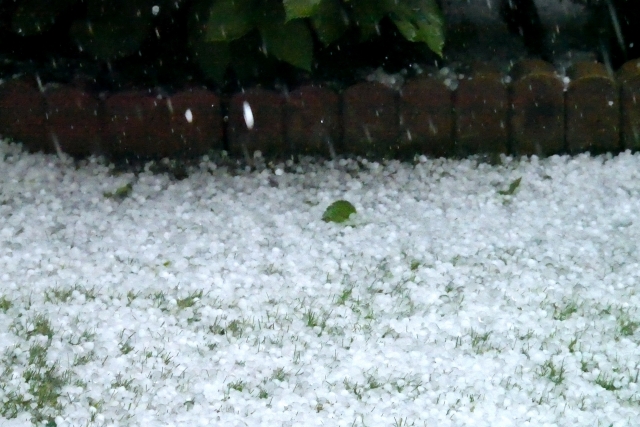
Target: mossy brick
{"points": [[480, 105], [266, 107], [537, 109], [23, 115], [313, 122], [73, 120], [426, 118], [137, 123], [370, 120], [196, 119], [629, 81], [592, 110]]}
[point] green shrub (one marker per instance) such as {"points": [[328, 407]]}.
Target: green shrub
{"points": [[246, 38], [291, 30]]}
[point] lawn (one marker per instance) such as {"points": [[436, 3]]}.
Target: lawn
{"points": [[459, 293]]}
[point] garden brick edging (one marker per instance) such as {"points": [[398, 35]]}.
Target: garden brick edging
{"points": [[536, 113]]}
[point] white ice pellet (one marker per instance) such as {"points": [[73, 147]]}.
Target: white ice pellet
{"points": [[248, 114]]}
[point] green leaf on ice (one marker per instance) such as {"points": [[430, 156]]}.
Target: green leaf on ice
{"points": [[121, 193], [512, 188], [338, 211]]}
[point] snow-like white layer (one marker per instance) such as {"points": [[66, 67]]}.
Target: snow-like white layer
{"points": [[444, 302]]}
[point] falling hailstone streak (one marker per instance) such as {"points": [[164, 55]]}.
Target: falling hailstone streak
{"points": [[188, 115], [56, 144], [169, 105], [367, 134], [332, 150], [245, 153], [432, 127], [248, 114], [616, 26], [40, 86]]}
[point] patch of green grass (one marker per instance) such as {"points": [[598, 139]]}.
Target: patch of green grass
{"points": [[354, 388], [606, 382], [63, 295], [237, 385], [160, 300], [279, 374], [58, 294], [84, 359], [5, 304], [120, 381], [190, 300], [562, 313], [313, 319], [402, 422], [131, 296], [125, 344], [480, 342], [553, 373], [38, 325], [586, 366], [344, 295], [44, 381], [236, 328], [626, 326], [572, 345]]}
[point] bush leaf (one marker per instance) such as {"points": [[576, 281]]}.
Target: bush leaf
{"points": [[37, 16], [289, 42], [366, 16], [213, 57], [338, 211], [330, 21], [420, 21], [228, 20], [300, 8], [109, 40]]}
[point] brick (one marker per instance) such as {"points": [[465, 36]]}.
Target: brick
{"points": [[480, 105], [196, 119], [23, 115], [629, 80], [537, 109], [267, 134], [313, 122], [592, 110], [137, 123], [426, 118], [370, 120], [73, 120]]}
